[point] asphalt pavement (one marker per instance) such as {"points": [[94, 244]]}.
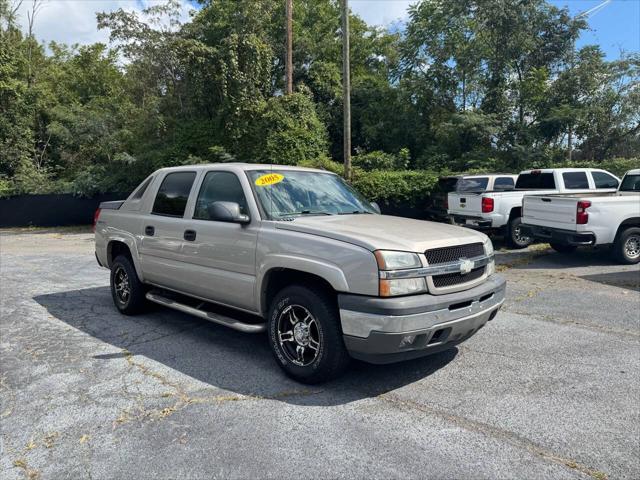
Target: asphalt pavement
{"points": [[549, 389]]}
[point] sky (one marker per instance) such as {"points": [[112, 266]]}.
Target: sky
{"points": [[615, 27]]}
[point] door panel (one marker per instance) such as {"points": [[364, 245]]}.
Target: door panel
{"points": [[222, 262], [221, 257], [160, 249]]}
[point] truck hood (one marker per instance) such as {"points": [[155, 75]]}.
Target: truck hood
{"points": [[383, 232]]}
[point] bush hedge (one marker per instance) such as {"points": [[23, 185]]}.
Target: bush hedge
{"points": [[404, 188]]}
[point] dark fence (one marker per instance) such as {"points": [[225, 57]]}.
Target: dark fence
{"points": [[51, 210], [402, 211]]}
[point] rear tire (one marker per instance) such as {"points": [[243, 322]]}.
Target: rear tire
{"points": [[305, 335], [626, 248], [515, 237], [563, 247], [127, 291]]}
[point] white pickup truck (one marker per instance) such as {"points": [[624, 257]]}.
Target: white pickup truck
{"points": [[502, 210], [566, 221]]}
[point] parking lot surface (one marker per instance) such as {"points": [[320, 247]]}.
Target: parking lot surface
{"points": [[549, 389]]}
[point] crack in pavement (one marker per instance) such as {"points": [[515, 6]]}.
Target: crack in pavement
{"points": [[576, 323], [494, 432]]}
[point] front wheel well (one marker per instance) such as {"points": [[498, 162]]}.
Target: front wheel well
{"points": [[115, 248], [278, 278]]}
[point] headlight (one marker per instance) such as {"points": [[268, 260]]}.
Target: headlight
{"points": [[488, 247], [393, 260], [402, 286], [488, 250]]}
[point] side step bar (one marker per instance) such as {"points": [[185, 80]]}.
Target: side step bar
{"points": [[210, 316]]}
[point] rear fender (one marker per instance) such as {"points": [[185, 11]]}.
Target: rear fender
{"points": [[129, 240]]}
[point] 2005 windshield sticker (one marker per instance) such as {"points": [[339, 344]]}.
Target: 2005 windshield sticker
{"points": [[269, 179]]}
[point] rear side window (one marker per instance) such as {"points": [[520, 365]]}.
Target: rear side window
{"points": [[173, 194], [575, 180], [604, 180], [478, 184], [219, 187], [630, 183], [137, 195], [447, 184], [536, 181], [503, 183]]}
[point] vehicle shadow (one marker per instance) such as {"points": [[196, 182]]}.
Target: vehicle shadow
{"points": [[219, 356], [542, 256], [629, 280]]}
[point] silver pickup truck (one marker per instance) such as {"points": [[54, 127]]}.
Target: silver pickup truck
{"points": [[299, 254]]}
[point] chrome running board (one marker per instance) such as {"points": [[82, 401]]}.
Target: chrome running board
{"points": [[210, 316]]}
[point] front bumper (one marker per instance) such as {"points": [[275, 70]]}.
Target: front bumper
{"points": [[386, 330], [557, 235]]}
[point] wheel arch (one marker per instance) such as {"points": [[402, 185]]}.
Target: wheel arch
{"points": [[515, 212], [123, 246], [626, 223], [277, 278]]}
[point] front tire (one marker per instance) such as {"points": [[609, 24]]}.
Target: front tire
{"points": [[305, 335], [127, 291], [563, 247], [515, 237], [626, 248]]}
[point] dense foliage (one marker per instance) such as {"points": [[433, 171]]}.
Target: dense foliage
{"points": [[468, 84]]}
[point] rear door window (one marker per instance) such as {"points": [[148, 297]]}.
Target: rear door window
{"points": [[172, 196], [536, 181], [477, 184], [503, 183], [575, 180], [604, 180]]}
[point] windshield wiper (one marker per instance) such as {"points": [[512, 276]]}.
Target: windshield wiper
{"points": [[356, 212], [304, 212]]}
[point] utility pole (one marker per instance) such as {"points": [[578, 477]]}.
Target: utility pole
{"points": [[346, 90], [585, 14], [288, 67]]}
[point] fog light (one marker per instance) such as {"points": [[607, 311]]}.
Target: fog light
{"points": [[407, 340]]}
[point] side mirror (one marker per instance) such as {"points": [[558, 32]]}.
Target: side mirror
{"points": [[226, 212], [376, 207]]}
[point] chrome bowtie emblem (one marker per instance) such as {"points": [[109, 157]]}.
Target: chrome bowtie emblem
{"points": [[465, 266]]}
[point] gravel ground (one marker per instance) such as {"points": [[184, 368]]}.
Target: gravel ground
{"points": [[550, 388]]}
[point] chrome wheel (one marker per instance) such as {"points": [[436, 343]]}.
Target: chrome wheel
{"points": [[298, 335], [520, 237], [632, 247], [122, 285]]}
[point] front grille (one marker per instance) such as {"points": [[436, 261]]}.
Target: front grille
{"points": [[451, 279], [437, 256]]}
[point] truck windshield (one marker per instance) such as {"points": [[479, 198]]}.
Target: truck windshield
{"points": [[535, 181], [630, 183], [477, 184], [287, 193]]}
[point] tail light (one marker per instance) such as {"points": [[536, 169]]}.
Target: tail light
{"points": [[582, 217], [96, 216], [446, 203], [487, 205]]}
